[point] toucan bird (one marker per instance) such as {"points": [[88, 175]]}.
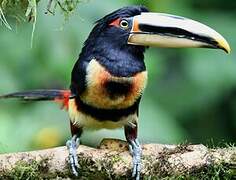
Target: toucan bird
{"points": [[109, 77]]}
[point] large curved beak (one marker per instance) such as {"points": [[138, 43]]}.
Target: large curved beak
{"points": [[165, 30]]}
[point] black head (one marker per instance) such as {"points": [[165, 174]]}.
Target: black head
{"points": [[110, 34], [116, 26]]}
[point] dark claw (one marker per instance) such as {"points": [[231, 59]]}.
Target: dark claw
{"points": [[136, 152], [72, 146]]}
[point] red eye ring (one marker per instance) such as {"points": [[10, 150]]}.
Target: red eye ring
{"points": [[116, 22]]}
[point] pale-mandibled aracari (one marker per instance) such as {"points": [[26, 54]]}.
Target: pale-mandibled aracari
{"points": [[108, 79]]}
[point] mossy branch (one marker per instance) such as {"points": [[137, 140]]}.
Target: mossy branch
{"points": [[113, 161]]}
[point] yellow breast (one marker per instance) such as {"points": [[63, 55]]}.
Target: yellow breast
{"points": [[96, 94]]}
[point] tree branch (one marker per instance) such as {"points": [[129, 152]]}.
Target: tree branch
{"points": [[113, 161]]}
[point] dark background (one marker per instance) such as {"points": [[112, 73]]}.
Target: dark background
{"points": [[190, 97]]}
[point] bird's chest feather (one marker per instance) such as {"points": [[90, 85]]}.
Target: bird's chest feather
{"points": [[103, 90]]}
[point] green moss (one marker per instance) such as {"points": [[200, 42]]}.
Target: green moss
{"points": [[161, 166], [216, 172], [162, 169], [116, 159], [233, 157], [102, 169], [27, 170], [99, 169], [92, 169]]}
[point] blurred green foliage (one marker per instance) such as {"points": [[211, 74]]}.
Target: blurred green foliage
{"points": [[191, 94]]}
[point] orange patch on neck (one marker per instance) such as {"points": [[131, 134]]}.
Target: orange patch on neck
{"points": [[96, 93], [139, 83]]}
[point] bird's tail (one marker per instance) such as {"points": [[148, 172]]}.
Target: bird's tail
{"points": [[61, 96]]}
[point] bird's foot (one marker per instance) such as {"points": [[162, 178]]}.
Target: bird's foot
{"points": [[72, 146], [136, 152]]}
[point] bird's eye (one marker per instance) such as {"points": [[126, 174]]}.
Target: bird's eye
{"points": [[124, 24]]}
